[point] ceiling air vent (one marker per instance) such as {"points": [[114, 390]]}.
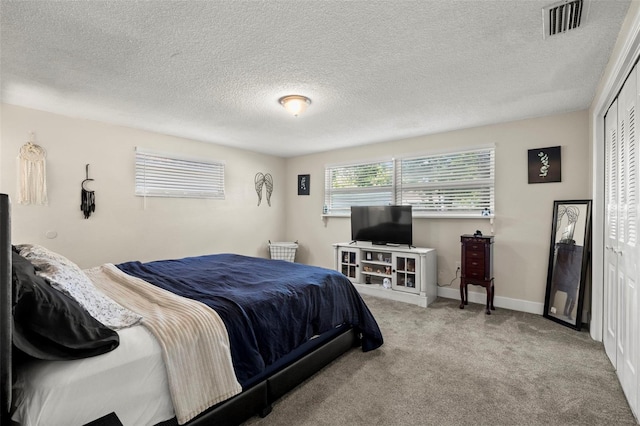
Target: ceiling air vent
{"points": [[561, 17]]}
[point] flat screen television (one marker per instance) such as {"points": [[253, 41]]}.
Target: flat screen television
{"points": [[382, 224]]}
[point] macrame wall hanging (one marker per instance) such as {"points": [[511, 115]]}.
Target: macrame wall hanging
{"points": [[264, 180], [32, 170], [87, 197]]}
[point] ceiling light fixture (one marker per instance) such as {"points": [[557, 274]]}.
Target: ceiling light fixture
{"points": [[295, 104]]}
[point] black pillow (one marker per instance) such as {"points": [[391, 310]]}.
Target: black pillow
{"points": [[48, 324]]}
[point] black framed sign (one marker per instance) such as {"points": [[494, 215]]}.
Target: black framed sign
{"points": [[303, 184], [545, 165]]}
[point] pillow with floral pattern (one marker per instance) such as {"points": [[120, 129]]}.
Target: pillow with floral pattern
{"points": [[67, 277]]}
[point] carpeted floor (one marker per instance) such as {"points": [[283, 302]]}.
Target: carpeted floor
{"points": [[446, 366]]}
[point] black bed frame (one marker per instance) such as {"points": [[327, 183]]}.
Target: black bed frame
{"points": [[258, 399], [255, 400], [5, 309]]}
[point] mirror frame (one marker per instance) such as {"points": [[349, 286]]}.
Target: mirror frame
{"points": [[561, 214]]}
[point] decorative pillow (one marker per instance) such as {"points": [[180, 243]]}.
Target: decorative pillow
{"points": [[47, 324], [67, 277]]}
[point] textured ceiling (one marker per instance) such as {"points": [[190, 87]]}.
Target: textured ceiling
{"points": [[375, 70]]}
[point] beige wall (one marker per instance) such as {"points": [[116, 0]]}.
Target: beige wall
{"points": [[523, 212], [122, 229]]}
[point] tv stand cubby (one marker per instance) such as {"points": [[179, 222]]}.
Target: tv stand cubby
{"points": [[402, 273]]}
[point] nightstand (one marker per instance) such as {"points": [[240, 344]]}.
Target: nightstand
{"points": [[477, 267]]}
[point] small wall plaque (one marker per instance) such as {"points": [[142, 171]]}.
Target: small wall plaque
{"points": [[303, 184], [545, 165]]}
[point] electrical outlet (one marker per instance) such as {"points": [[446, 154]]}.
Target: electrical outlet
{"points": [[458, 265]]}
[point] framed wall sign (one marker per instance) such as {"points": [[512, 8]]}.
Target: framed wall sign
{"points": [[544, 165], [303, 184]]}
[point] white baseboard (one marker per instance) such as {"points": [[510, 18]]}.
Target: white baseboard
{"points": [[498, 301]]}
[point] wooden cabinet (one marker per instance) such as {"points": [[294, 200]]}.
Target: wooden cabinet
{"points": [[399, 273], [477, 267]]}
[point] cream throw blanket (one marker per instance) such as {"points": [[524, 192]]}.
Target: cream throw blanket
{"points": [[194, 340]]}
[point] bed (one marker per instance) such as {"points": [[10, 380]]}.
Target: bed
{"points": [[211, 339]]}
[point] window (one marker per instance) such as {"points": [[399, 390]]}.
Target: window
{"points": [[448, 184], [451, 184], [167, 175], [364, 184]]}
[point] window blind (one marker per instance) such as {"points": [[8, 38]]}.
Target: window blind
{"points": [[448, 184], [364, 184], [169, 175], [460, 183]]}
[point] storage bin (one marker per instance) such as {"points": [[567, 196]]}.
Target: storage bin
{"points": [[283, 250]]}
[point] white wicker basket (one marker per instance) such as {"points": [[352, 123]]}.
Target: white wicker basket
{"points": [[283, 250]]}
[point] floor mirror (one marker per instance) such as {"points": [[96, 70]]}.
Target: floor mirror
{"points": [[569, 256]]}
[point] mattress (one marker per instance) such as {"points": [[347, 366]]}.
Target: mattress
{"points": [[63, 393], [269, 307], [271, 318]]}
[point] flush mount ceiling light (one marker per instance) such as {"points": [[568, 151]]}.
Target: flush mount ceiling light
{"points": [[295, 104]]}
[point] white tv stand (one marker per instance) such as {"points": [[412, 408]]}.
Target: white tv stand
{"points": [[402, 273]]}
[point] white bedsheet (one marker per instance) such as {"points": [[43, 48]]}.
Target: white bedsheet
{"points": [[194, 340], [130, 381]]}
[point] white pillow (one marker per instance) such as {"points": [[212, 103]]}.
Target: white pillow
{"points": [[67, 277]]}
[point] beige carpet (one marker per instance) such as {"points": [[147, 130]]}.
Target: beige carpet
{"points": [[446, 366]]}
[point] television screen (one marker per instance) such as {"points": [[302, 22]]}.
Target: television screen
{"points": [[382, 224]]}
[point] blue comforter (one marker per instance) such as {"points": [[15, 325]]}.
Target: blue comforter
{"points": [[270, 307]]}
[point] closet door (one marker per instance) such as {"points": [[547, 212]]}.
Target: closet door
{"points": [[628, 327], [611, 235], [621, 334], [631, 249]]}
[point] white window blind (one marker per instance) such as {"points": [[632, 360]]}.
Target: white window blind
{"points": [[448, 184], [364, 184], [169, 175]]}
